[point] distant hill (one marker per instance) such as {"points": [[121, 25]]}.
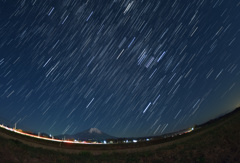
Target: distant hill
{"points": [[220, 117], [90, 134]]}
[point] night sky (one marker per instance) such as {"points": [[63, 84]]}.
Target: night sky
{"points": [[126, 67]]}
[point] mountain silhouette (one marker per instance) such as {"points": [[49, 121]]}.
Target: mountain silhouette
{"points": [[90, 134]]}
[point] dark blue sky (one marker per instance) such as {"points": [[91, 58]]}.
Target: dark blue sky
{"points": [[126, 67]]}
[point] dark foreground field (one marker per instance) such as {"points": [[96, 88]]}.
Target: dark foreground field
{"points": [[218, 141]]}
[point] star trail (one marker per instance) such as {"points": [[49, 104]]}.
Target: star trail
{"points": [[126, 67]]}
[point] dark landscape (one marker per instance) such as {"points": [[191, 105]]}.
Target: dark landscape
{"points": [[214, 141]]}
